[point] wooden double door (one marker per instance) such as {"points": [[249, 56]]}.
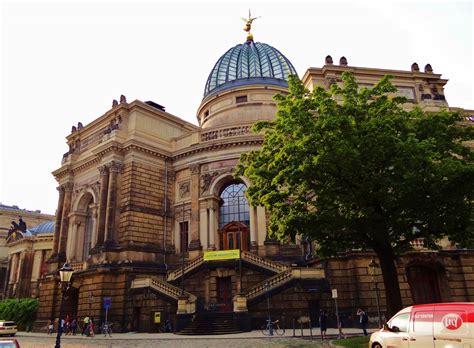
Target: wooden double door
{"points": [[234, 235]]}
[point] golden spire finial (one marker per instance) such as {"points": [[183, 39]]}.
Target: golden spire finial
{"points": [[248, 25]]}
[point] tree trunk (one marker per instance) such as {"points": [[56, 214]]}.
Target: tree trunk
{"points": [[390, 278]]}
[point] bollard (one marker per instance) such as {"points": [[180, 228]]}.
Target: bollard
{"points": [[294, 328], [310, 330], [301, 327]]}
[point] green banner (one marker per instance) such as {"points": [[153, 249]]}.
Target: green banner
{"points": [[221, 255]]}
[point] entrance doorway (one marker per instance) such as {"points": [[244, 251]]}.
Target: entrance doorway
{"points": [[424, 284], [224, 294], [234, 235]]}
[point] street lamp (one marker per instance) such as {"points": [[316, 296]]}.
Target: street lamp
{"points": [[373, 271], [182, 251], [65, 274], [270, 324]]}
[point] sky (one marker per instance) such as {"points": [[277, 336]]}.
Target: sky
{"points": [[63, 62]]}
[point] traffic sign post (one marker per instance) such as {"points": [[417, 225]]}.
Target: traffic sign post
{"points": [[334, 296], [107, 305]]}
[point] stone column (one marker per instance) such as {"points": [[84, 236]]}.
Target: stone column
{"points": [[195, 243], [65, 218], [212, 228], [253, 232], [57, 227], [261, 225], [72, 243], [104, 187], [114, 169], [204, 227]]}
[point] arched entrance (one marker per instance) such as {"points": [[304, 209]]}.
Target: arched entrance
{"points": [[424, 284], [234, 218]]}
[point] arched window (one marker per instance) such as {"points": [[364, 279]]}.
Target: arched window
{"points": [[234, 218], [234, 205], [87, 242]]}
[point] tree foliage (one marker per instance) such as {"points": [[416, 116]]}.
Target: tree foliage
{"points": [[21, 311], [353, 168]]}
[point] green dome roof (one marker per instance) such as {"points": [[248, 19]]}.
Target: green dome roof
{"points": [[248, 64]]}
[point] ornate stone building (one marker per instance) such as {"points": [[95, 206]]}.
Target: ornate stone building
{"points": [[147, 199], [28, 253], [9, 222]]}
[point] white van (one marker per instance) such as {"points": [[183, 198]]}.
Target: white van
{"points": [[436, 325]]}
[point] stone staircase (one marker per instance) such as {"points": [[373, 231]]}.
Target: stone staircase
{"points": [[162, 287], [282, 279], [211, 324]]}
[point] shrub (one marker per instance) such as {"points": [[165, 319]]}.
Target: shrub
{"points": [[21, 311]]}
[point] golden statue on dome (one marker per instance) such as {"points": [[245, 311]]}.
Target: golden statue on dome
{"points": [[248, 25]]}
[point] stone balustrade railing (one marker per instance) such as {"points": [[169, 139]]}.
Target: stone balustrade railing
{"points": [[78, 266], [162, 287], [262, 262], [189, 266]]}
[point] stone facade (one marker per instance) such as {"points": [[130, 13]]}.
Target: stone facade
{"points": [[144, 194], [9, 214]]}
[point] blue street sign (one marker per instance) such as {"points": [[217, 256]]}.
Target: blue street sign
{"points": [[107, 303]]}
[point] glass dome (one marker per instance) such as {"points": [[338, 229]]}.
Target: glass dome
{"points": [[249, 63]]}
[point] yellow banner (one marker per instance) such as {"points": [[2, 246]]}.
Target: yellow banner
{"points": [[157, 317], [221, 255]]}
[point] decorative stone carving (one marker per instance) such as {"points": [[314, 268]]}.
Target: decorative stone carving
{"points": [[194, 168], [184, 189], [328, 60], [123, 99], [428, 69], [115, 167], [415, 67], [206, 180], [114, 102], [343, 61]]}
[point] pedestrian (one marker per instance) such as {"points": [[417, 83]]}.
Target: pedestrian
{"points": [[91, 327], [85, 328], [323, 323], [50, 326], [74, 326], [363, 320]]}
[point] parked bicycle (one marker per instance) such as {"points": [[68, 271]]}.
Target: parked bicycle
{"points": [[166, 327], [107, 329], [272, 327]]}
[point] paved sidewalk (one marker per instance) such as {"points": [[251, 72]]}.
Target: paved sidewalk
{"points": [[331, 333]]}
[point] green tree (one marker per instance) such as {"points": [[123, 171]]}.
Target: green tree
{"points": [[354, 169]]}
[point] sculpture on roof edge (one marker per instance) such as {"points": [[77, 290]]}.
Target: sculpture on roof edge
{"points": [[248, 25]]}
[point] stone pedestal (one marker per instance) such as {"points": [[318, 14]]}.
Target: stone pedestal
{"points": [[240, 303]]}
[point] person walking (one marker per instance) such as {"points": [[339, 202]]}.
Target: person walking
{"points": [[363, 320], [323, 323], [85, 327], [91, 327]]}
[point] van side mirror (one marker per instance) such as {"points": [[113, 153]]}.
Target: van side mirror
{"points": [[395, 329]]}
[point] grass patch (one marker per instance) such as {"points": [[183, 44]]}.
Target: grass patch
{"points": [[353, 342]]}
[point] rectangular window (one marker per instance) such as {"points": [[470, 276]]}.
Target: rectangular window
{"points": [[183, 233], [241, 99]]}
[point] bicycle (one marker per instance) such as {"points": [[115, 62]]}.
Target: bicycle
{"points": [[107, 329], [166, 327], [272, 326]]}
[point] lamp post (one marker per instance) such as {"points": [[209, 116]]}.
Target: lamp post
{"points": [[65, 274], [240, 245], [373, 271], [182, 250], [270, 324]]}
